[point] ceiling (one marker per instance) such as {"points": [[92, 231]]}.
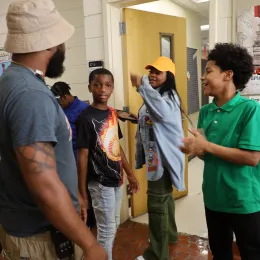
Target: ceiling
{"points": [[195, 5], [203, 10]]}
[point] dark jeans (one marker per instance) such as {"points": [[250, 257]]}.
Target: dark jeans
{"points": [[162, 226], [247, 231]]}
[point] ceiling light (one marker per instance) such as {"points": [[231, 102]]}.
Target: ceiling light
{"points": [[204, 27], [199, 1]]}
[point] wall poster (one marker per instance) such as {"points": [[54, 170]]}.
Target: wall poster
{"points": [[5, 60], [248, 36]]}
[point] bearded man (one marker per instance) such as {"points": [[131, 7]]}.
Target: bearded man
{"points": [[39, 206]]}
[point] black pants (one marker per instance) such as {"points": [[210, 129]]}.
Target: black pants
{"points": [[220, 231]]}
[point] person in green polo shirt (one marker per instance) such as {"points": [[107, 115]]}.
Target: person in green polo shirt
{"points": [[228, 140]]}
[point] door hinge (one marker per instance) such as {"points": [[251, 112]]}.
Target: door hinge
{"points": [[122, 28]]}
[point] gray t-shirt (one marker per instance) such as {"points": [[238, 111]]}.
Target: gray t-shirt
{"points": [[29, 113]]}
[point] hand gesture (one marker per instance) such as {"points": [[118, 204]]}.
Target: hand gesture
{"points": [[194, 145], [136, 80]]}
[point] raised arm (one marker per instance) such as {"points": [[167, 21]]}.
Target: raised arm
{"points": [[158, 105]]}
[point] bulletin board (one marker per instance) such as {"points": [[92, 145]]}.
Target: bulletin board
{"points": [[248, 36]]}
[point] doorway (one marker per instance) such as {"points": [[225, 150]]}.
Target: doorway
{"points": [[155, 33]]}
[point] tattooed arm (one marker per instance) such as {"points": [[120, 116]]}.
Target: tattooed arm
{"points": [[38, 165]]}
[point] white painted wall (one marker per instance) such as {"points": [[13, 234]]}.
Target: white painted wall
{"points": [[220, 21], [94, 33], [75, 63], [3, 29], [76, 68], [241, 4]]}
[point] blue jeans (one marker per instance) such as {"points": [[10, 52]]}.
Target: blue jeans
{"points": [[106, 202]]}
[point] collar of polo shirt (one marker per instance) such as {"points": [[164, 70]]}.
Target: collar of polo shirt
{"points": [[229, 105]]}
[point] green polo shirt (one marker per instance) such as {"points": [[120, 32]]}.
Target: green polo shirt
{"points": [[228, 187]]}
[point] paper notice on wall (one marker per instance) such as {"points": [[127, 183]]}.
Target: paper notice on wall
{"points": [[5, 61], [248, 36]]}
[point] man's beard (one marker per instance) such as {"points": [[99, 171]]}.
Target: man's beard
{"points": [[55, 68]]}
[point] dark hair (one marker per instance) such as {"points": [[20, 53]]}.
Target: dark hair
{"points": [[61, 89], [99, 72], [170, 86], [229, 56]]}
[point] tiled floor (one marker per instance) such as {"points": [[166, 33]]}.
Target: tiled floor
{"points": [[191, 205], [132, 240], [132, 237]]}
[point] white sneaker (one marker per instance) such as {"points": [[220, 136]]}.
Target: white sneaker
{"points": [[140, 258]]}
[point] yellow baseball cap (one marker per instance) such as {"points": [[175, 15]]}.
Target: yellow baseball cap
{"points": [[162, 64]]}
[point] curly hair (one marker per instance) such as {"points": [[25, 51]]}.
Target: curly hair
{"points": [[233, 57]]}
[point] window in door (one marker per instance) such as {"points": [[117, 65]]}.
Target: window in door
{"points": [[167, 48]]}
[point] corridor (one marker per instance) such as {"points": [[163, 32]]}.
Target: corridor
{"points": [[191, 205], [132, 238]]}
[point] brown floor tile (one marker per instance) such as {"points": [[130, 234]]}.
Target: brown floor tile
{"points": [[132, 240]]}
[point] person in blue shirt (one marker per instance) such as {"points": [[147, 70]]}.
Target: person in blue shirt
{"points": [[72, 107]]}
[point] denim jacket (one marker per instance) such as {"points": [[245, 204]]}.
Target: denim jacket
{"points": [[159, 135]]}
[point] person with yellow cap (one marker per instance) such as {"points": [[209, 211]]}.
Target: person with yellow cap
{"points": [[158, 139]]}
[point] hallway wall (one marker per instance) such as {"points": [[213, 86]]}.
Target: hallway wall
{"points": [[241, 4], [3, 29], [76, 68], [75, 63]]}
